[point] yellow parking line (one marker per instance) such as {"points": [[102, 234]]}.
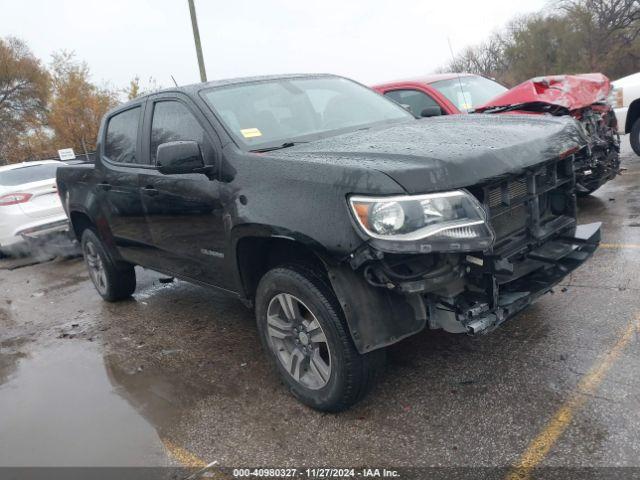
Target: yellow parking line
{"points": [[185, 457], [620, 245], [542, 444]]}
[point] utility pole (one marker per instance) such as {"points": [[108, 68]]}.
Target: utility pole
{"points": [[196, 38]]}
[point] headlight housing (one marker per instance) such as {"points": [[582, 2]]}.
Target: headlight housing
{"points": [[616, 99], [447, 221]]}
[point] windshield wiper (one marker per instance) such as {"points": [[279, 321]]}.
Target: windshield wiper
{"points": [[533, 106], [279, 147], [504, 108]]}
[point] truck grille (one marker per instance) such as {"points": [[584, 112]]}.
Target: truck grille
{"points": [[513, 190], [510, 221], [531, 205]]}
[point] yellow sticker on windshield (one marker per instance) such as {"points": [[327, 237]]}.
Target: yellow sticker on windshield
{"points": [[250, 132]]}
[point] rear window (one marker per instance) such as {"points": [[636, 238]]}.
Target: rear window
{"points": [[34, 173]]}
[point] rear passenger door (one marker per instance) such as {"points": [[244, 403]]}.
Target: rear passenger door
{"points": [[118, 191], [184, 211]]}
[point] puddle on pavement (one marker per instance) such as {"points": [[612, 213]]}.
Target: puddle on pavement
{"points": [[10, 354], [5, 315], [60, 408]]}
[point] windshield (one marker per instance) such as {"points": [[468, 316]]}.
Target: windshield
{"points": [[272, 113], [468, 92], [28, 174]]}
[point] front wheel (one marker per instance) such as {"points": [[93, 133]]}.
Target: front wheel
{"points": [[303, 330], [113, 281], [635, 137]]}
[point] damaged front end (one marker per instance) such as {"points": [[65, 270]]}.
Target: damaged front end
{"points": [[599, 161], [463, 285], [586, 99]]}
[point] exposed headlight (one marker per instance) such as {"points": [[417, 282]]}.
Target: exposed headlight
{"points": [[451, 221], [616, 98], [386, 217]]}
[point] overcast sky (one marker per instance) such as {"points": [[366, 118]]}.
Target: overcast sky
{"points": [[369, 41]]}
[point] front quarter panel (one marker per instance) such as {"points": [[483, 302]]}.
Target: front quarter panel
{"points": [[300, 199], [306, 202]]}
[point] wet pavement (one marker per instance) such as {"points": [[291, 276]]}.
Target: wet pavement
{"points": [[176, 375]]}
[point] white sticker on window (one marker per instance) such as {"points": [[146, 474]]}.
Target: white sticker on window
{"points": [[250, 132]]}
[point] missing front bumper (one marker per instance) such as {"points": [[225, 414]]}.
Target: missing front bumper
{"points": [[452, 293], [499, 295]]}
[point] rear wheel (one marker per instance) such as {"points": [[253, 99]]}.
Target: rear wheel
{"points": [[635, 137], [113, 281], [303, 330]]}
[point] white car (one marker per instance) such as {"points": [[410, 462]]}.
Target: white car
{"points": [[30, 209], [626, 103]]}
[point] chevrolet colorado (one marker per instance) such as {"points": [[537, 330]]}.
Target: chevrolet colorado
{"points": [[344, 221]]}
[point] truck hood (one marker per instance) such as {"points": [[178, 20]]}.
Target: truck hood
{"points": [[568, 91], [445, 153]]}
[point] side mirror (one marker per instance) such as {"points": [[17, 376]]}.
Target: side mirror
{"points": [[179, 157], [406, 107], [434, 111]]}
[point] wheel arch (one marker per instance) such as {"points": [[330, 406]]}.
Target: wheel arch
{"points": [[259, 248], [376, 317], [80, 221]]}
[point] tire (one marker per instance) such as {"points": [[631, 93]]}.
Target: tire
{"points": [[635, 137], [113, 281], [302, 356]]}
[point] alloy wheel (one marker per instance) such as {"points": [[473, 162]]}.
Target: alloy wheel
{"points": [[96, 268], [298, 341]]}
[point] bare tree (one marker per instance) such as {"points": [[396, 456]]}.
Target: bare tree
{"points": [[610, 31], [576, 36]]}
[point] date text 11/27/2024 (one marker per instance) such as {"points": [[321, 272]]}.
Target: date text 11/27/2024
{"points": [[315, 473]]}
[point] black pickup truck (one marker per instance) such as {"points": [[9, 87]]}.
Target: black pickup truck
{"points": [[346, 223]]}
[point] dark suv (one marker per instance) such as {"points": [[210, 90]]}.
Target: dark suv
{"points": [[346, 223]]}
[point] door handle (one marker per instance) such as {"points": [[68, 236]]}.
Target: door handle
{"points": [[152, 192], [104, 186]]}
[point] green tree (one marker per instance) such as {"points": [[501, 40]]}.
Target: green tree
{"points": [[77, 105], [541, 45], [135, 88], [608, 31]]}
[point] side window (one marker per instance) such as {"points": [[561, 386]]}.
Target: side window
{"points": [[416, 99], [172, 121], [122, 133]]}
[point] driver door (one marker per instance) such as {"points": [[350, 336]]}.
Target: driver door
{"points": [[183, 211]]}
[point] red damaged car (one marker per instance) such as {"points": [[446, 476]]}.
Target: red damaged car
{"points": [[585, 97]]}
